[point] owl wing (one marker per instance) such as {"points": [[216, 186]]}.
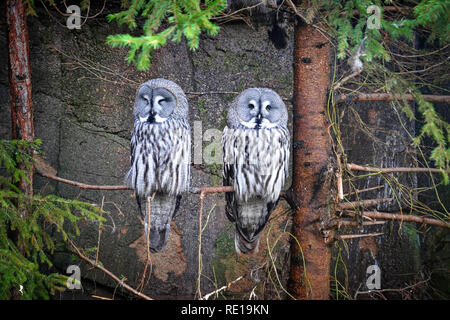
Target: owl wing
{"points": [[228, 174]]}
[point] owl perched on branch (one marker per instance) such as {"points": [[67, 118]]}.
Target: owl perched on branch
{"points": [[256, 161], [160, 155]]}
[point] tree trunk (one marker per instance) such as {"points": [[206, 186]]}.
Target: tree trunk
{"points": [[311, 159], [20, 81]]}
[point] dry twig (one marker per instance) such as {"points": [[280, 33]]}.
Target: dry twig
{"points": [[390, 97], [361, 203], [108, 273], [402, 217]]}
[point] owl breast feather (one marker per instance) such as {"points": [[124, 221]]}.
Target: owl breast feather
{"points": [[160, 157], [260, 160]]}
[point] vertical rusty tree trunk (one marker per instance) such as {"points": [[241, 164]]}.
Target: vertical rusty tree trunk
{"points": [[20, 80], [311, 158]]}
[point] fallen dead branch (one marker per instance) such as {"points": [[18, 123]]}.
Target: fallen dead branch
{"points": [[206, 296], [389, 97], [109, 273]]}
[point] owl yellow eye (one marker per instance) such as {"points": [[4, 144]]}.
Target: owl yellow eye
{"points": [[268, 107], [251, 106]]}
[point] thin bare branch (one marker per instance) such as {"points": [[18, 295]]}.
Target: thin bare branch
{"points": [[355, 167], [389, 97], [402, 217], [108, 273], [362, 203], [206, 297], [83, 185], [344, 80], [206, 190], [354, 236], [358, 191], [199, 253]]}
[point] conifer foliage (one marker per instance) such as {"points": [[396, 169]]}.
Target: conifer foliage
{"points": [[185, 17], [26, 243]]}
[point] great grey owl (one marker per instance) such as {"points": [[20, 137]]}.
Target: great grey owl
{"points": [[160, 155], [256, 161]]}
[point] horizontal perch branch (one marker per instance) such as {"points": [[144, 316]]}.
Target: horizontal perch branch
{"points": [[341, 206], [83, 185], [402, 217], [390, 97], [355, 167], [206, 190]]}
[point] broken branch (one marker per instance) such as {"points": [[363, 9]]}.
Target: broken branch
{"points": [[109, 273], [390, 97], [362, 203], [403, 217], [355, 167], [206, 297]]}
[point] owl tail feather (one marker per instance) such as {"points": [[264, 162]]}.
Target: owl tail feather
{"points": [[162, 210], [158, 238], [242, 246]]}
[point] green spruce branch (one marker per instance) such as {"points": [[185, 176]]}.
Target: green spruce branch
{"points": [[174, 18], [22, 254]]}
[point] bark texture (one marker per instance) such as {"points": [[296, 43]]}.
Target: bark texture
{"points": [[20, 80], [311, 158]]}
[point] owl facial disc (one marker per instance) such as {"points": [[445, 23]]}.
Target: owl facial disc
{"points": [[259, 110], [155, 105]]}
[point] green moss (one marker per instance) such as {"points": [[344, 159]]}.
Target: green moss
{"points": [[225, 243], [215, 171], [223, 121], [201, 106], [224, 255], [228, 97]]}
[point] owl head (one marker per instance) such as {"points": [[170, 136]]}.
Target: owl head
{"points": [[158, 100], [257, 108]]}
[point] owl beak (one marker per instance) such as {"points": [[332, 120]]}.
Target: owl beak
{"points": [[151, 116], [258, 120]]}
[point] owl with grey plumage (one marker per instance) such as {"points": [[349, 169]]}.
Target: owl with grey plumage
{"points": [[160, 156], [255, 146]]}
